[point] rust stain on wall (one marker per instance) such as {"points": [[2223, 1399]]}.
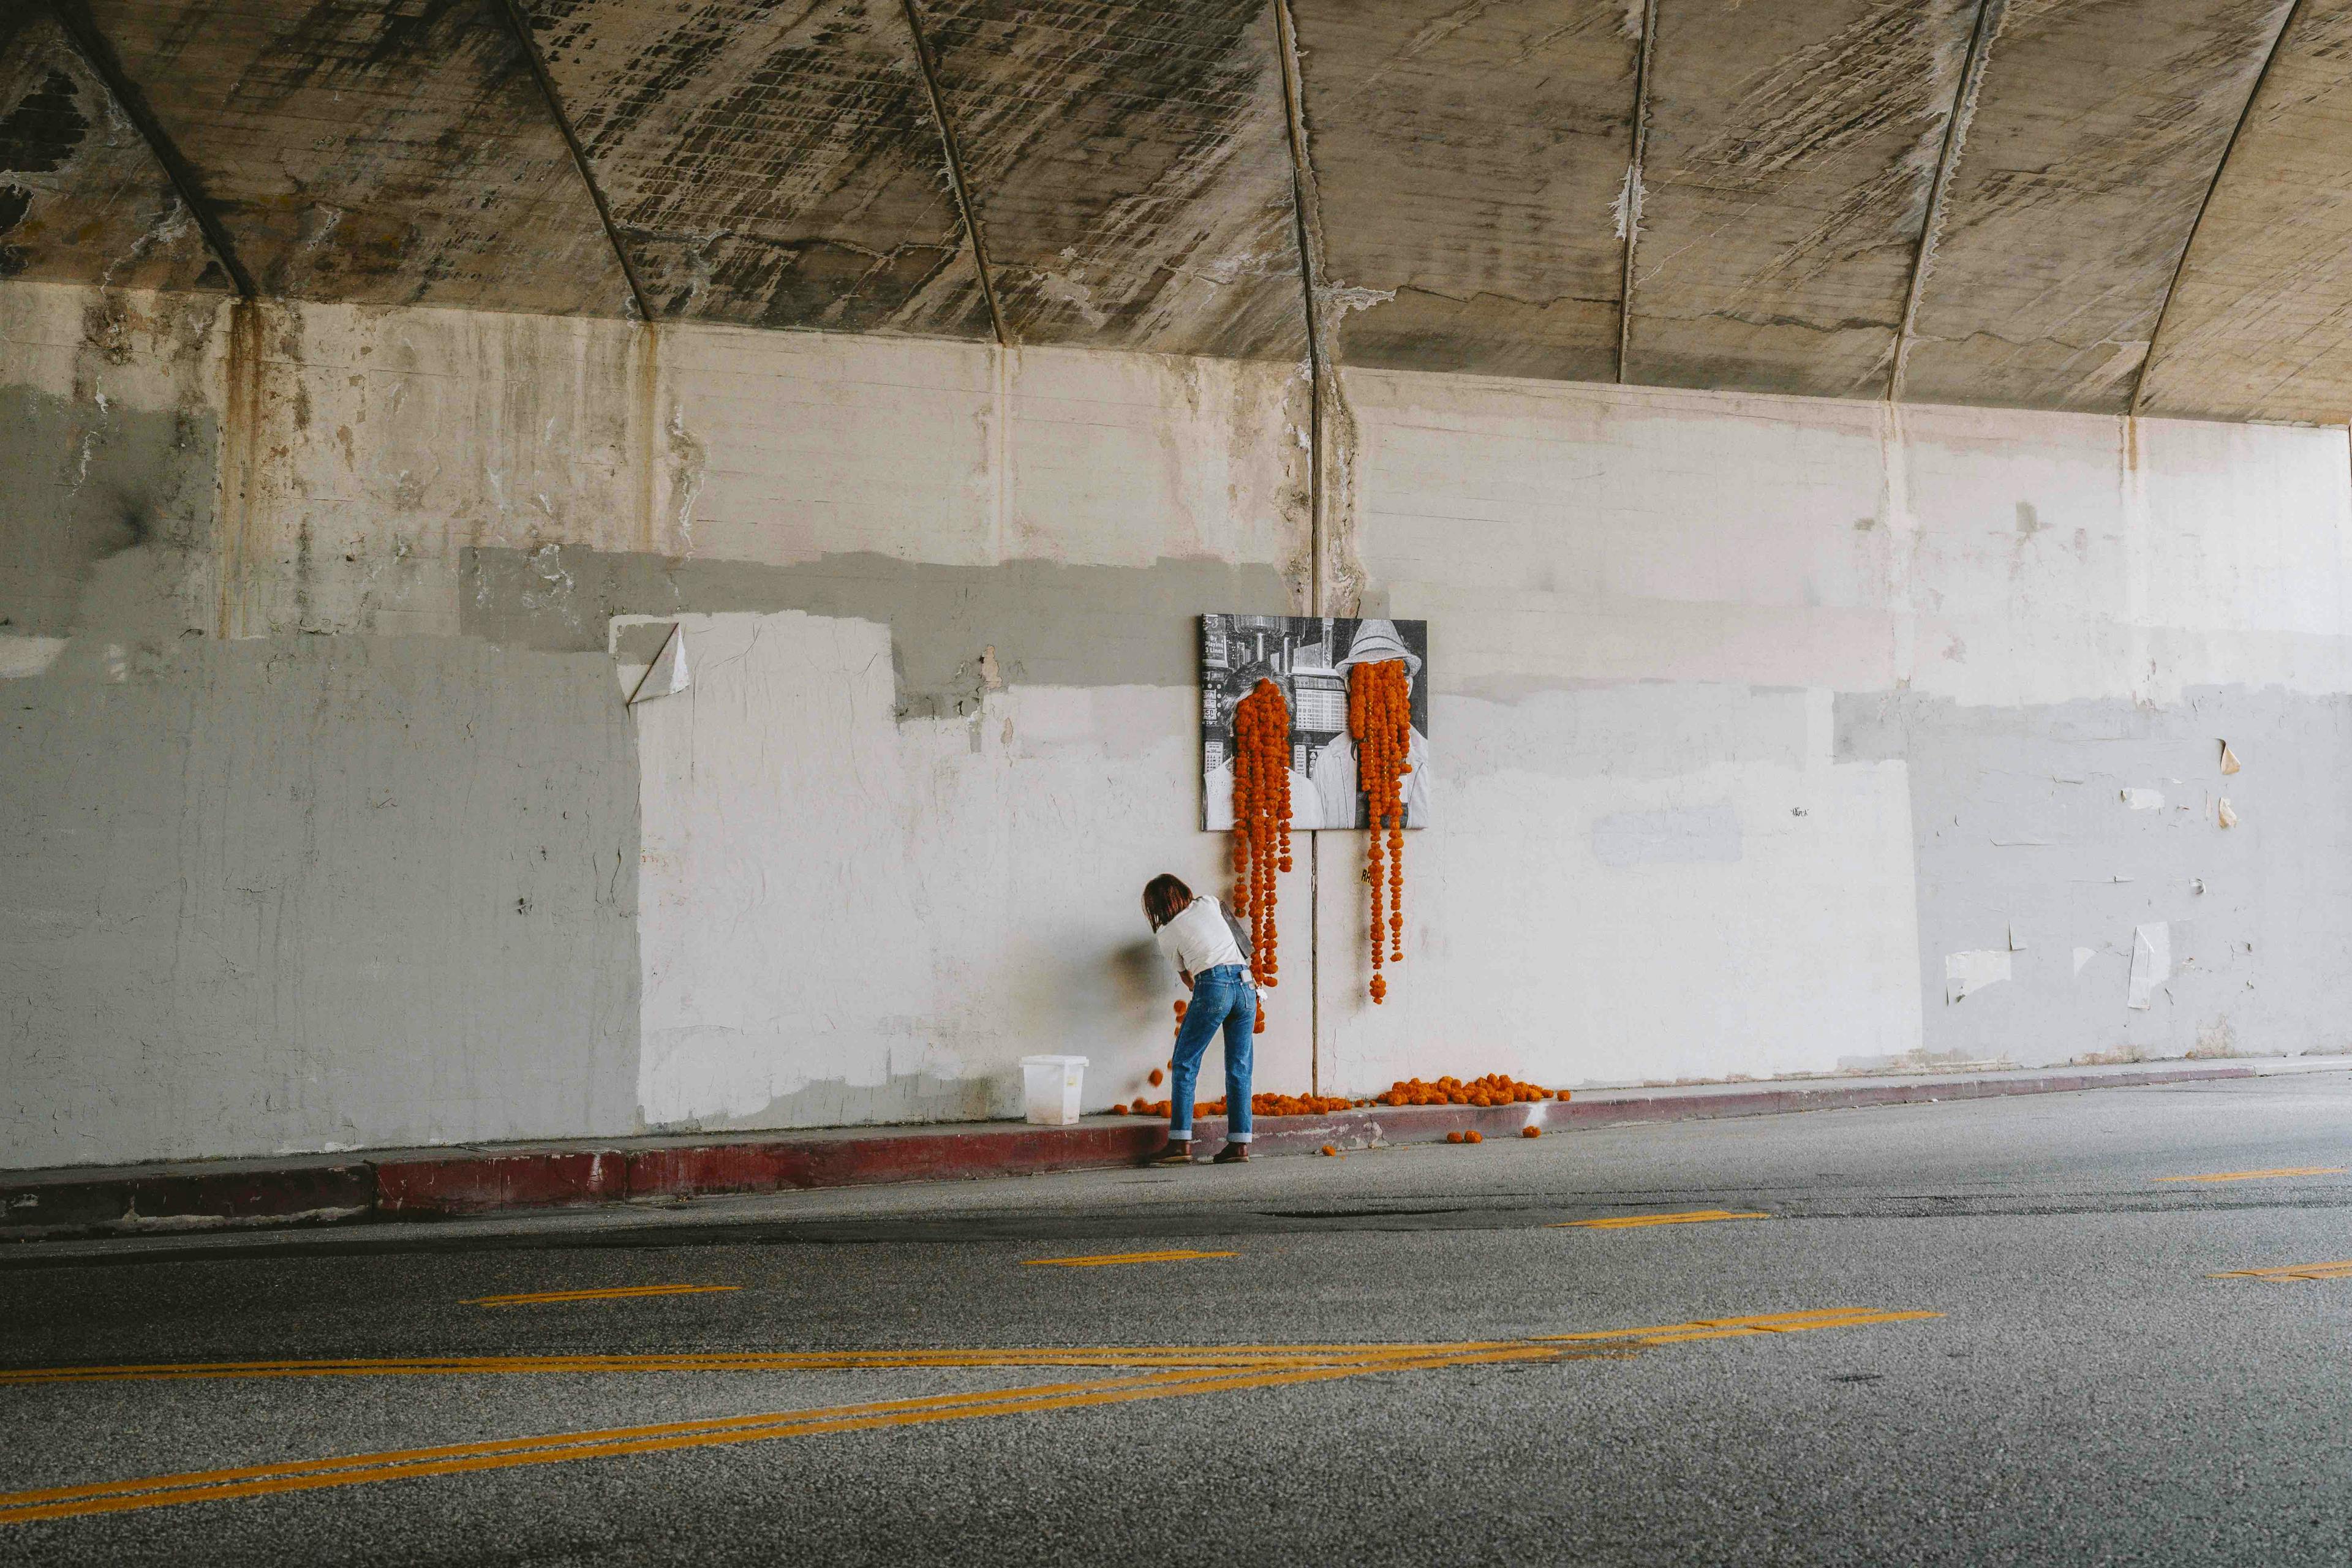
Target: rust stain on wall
{"points": [[769, 165], [82, 199], [2260, 323], [2096, 137], [1791, 150], [380, 152], [1470, 159], [1130, 169]]}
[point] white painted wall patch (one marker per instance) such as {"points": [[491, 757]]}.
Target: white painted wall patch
{"points": [[2143, 799], [1688, 836], [1967, 973]]}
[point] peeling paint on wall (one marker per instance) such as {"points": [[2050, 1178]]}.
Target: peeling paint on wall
{"points": [[1967, 973]]}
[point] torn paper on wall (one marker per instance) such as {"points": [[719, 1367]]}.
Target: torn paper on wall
{"points": [[648, 657], [2225, 814], [669, 676], [2229, 759], [2083, 955], [2151, 963], [2143, 799], [1970, 971]]}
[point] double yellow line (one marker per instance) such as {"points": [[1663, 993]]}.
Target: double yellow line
{"points": [[1243, 1357], [1183, 1369]]}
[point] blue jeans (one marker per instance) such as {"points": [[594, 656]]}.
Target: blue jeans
{"points": [[1222, 998]]}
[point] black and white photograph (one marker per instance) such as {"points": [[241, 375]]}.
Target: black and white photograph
{"points": [[1308, 659]]}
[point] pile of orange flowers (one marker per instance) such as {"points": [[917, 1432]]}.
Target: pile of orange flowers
{"points": [[1380, 717], [1495, 1088], [1261, 821]]}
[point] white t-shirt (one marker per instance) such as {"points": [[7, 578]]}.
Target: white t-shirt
{"points": [[1199, 940]]}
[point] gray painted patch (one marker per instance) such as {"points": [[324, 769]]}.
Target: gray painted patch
{"points": [[310, 892], [85, 483], [2021, 827], [1050, 625], [318, 892], [1691, 837]]}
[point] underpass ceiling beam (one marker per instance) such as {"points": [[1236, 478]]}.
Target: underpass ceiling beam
{"points": [[1956, 134], [928, 65], [512, 11], [98, 53], [1629, 215], [2222, 168]]}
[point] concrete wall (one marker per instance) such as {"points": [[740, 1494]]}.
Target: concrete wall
{"points": [[325, 824]]}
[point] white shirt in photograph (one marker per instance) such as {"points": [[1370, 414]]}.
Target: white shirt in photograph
{"points": [[1199, 940], [1340, 795], [1305, 805]]}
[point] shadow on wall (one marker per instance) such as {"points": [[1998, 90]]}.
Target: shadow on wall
{"points": [[905, 1097], [1138, 985]]}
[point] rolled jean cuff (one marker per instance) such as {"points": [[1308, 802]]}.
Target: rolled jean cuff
{"points": [[1239, 1137], [1180, 1135]]}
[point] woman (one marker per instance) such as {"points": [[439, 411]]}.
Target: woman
{"points": [[1194, 933]]}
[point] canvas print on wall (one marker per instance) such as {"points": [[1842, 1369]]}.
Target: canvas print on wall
{"points": [[1309, 659]]}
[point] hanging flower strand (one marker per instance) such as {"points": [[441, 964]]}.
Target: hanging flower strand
{"points": [[1380, 718], [1261, 822]]}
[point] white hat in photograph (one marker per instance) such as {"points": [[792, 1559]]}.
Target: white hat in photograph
{"points": [[1376, 643]]}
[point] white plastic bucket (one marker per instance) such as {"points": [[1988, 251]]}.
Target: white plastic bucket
{"points": [[1051, 1085]]}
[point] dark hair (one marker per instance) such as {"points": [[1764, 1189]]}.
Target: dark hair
{"points": [[1164, 898]]}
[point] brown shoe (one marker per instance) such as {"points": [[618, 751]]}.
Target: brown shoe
{"points": [[1175, 1153], [1232, 1155]]}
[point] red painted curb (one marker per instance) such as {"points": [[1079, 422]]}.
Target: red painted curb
{"points": [[60, 1203], [776, 1165], [478, 1183]]}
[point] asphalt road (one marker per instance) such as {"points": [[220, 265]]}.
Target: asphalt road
{"points": [[1362, 1370]]}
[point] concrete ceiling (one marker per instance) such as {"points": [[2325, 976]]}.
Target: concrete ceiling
{"points": [[2103, 206]]}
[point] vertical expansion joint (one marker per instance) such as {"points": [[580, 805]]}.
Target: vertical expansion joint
{"points": [[1990, 13], [2180, 265], [1302, 186], [519, 21], [1306, 225], [74, 16], [1630, 217], [929, 67]]}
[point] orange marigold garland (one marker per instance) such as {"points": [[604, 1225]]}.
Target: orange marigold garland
{"points": [[1380, 717], [1261, 822]]}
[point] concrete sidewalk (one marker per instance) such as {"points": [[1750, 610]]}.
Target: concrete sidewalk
{"points": [[414, 1183]]}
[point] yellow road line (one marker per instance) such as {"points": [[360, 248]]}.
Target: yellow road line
{"points": [[1313, 1364], [778, 1361], [2263, 1175], [1636, 1221], [1735, 1328], [2291, 1271], [159, 1491], [1108, 1259], [615, 1293]]}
